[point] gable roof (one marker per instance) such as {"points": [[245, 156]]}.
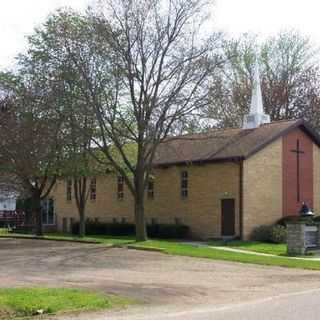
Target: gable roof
{"points": [[225, 144]]}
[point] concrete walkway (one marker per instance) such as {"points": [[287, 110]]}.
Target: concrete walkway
{"points": [[222, 248]]}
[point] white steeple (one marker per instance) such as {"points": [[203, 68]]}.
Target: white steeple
{"points": [[256, 117]]}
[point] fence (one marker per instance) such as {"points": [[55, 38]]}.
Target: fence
{"points": [[12, 219]]}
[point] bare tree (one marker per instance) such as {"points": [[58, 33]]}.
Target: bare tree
{"points": [[289, 75], [141, 67], [78, 166]]}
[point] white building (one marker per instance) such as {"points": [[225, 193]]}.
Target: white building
{"points": [[8, 202]]}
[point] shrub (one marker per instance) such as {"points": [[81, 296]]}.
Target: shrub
{"points": [[102, 228], [173, 231], [278, 234], [274, 234], [316, 219], [261, 233]]}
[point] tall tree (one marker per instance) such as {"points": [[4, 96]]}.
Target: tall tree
{"points": [[141, 67], [30, 132], [289, 76], [78, 166]]}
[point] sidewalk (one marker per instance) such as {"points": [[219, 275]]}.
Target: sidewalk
{"points": [[198, 243]]}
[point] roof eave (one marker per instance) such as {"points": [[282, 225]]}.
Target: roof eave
{"points": [[200, 162], [299, 123]]}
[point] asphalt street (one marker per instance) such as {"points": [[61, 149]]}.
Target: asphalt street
{"points": [[168, 287], [293, 306]]}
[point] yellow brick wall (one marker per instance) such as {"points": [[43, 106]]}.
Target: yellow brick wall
{"points": [[262, 188], [105, 207], [316, 179], [208, 184]]}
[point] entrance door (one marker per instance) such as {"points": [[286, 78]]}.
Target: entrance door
{"points": [[227, 217]]}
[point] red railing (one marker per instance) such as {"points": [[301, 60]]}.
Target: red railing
{"points": [[12, 218]]}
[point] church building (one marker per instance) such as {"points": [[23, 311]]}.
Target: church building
{"points": [[222, 184]]}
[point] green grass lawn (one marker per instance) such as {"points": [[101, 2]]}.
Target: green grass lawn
{"points": [[103, 239], [256, 246], [115, 240], [3, 231], [17, 303], [183, 249]]}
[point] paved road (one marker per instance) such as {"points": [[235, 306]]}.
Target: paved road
{"points": [[293, 306], [296, 306], [170, 286]]}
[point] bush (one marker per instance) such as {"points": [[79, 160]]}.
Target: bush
{"points": [[316, 219], [102, 228], [165, 231], [274, 234], [261, 233], [174, 231], [278, 234]]}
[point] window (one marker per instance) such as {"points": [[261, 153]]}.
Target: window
{"points": [[93, 189], [120, 187], [47, 211], [69, 189], [151, 189], [184, 184]]}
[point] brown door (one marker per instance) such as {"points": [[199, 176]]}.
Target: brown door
{"points": [[227, 217]]}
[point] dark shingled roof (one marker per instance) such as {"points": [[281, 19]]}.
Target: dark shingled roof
{"points": [[225, 144]]}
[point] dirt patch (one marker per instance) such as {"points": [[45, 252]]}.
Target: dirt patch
{"points": [[5, 314]]}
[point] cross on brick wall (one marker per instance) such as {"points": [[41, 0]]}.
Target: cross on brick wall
{"points": [[298, 153]]}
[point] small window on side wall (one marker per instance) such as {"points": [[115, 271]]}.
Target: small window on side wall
{"points": [[120, 190], [69, 190], [184, 184], [93, 189]]}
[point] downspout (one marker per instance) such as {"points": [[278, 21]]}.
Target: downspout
{"points": [[241, 199]]}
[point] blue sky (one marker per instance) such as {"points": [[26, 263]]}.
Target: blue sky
{"points": [[19, 17]]}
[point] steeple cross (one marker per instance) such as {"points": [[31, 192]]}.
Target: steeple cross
{"points": [[298, 153]]}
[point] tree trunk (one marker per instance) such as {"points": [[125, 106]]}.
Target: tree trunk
{"points": [[37, 214], [82, 223], [80, 192], [141, 232]]}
